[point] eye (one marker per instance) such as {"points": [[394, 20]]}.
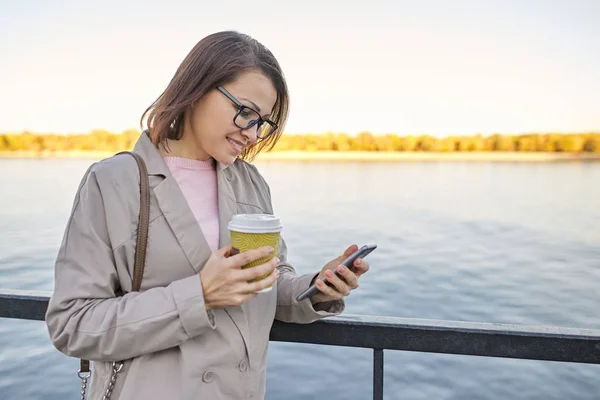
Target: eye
{"points": [[245, 113]]}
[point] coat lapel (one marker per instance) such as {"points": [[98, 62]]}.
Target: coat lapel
{"points": [[227, 203], [183, 223], [174, 206], [227, 208]]}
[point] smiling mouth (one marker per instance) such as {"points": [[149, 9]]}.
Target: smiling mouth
{"points": [[239, 146]]}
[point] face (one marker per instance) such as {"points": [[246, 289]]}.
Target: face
{"points": [[209, 130]]}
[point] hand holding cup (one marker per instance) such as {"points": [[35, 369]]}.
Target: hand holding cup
{"points": [[226, 283]]}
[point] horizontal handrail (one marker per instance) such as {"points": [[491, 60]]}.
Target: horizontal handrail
{"points": [[545, 343]]}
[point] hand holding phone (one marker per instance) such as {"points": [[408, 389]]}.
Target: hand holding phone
{"points": [[348, 262]]}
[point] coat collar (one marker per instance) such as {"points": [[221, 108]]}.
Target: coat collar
{"points": [[154, 161]]}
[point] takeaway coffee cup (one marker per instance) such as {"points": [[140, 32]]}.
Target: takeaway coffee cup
{"points": [[251, 231]]}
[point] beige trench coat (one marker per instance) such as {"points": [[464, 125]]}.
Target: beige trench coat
{"points": [[173, 347]]}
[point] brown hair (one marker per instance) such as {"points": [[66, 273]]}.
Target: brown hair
{"points": [[216, 60]]}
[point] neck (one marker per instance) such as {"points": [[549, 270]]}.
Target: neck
{"points": [[187, 146], [183, 148]]}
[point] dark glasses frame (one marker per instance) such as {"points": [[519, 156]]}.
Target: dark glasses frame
{"points": [[260, 121]]}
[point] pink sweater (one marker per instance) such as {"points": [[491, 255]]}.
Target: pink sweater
{"points": [[198, 182]]}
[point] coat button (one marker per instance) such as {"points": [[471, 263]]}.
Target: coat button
{"points": [[242, 366], [208, 376]]}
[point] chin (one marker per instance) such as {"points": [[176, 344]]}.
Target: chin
{"points": [[225, 159], [226, 154]]}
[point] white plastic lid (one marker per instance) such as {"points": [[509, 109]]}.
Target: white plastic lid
{"points": [[255, 223]]}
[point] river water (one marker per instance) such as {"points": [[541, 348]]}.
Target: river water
{"points": [[488, 242]]}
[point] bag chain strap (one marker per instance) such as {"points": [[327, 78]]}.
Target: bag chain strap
{"points": [[84, 376], [116, 367]]}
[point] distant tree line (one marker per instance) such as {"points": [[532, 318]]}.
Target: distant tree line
{"points": [[101, 140]]}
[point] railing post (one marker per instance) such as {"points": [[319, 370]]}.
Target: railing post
{"points": [[377, 374]]}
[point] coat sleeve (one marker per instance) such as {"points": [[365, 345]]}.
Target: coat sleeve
{"points": [[86, 318], [289, 284]]}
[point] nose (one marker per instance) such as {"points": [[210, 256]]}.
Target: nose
{"points": [[251, 134]]}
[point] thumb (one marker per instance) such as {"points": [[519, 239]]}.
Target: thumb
{"points": [[224, 251], [351, 249]]}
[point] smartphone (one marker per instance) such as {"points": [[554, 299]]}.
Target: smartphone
{"points": [[348, 262]]}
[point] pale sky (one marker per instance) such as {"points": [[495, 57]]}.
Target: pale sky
{"points": [[423, 66]]}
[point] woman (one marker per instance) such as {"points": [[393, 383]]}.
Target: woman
{"points": [[196, 329]]}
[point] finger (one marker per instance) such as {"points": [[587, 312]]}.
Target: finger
{"points": [[349, 277], [328, 291], [249, 274], [243, 298], [360, 267], [341, 286], [249, 256], [263, 283]]}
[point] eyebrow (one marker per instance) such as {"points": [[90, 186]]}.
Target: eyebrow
{"points": [[253, 103]]}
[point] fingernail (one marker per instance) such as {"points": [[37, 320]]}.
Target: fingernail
{"points": [[270, 250], [277, 260], [341, 268], [329, 274]]}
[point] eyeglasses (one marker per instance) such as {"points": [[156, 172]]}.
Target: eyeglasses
{"points": [[246, 117]]}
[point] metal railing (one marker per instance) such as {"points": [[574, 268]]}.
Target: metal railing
{"points": [[385, 333]]}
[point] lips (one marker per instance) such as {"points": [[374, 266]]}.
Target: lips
{"points": [[237, 145]]}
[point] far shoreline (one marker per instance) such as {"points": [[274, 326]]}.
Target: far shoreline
{"points": [[409, 156], [348, 156]]}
